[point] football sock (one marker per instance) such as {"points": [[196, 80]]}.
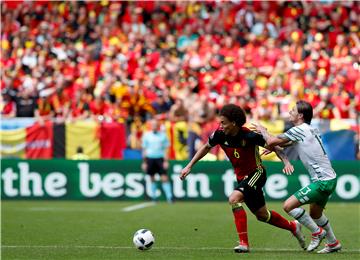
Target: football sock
{"points": [[153, 190], [323, 222], [304, 218], [279, 221], [167, 189], [240, 220]]}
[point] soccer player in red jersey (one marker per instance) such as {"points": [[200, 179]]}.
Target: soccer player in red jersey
{"points": [[242, 148]]}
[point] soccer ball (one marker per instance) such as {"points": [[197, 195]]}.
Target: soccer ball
{"points": [[143, 239]]}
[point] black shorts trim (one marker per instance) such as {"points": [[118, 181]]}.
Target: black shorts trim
{"points": [[251, 187]]}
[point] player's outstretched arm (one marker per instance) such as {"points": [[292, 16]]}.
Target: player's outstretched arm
{"points": [[275, 143], [271, 141], [199, 154]]}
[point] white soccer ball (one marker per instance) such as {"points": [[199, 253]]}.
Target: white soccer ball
{"points": [[143, 239]]}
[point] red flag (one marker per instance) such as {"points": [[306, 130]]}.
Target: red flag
{"points": [[112, 140], [39, 141]]}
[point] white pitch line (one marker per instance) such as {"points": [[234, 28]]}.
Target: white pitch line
{"points": [[139, 206], [168, 248]]}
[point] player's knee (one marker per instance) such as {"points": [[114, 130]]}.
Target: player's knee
{"points": [[233, 200], [164, 178]]}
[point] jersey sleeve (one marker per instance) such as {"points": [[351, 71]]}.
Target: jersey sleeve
{"points": [[256, 139], [295, 134], [144, 141], [214, 138]]}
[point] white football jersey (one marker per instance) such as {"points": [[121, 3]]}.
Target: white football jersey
{"points": [[310, 149]]}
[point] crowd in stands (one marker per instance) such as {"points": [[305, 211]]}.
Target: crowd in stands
{"points": [[181, 61]]}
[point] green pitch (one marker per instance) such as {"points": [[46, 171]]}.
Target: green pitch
{"points": [[184, 230]]}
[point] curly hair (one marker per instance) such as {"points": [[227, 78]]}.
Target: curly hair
{"points": [[234, 113]]}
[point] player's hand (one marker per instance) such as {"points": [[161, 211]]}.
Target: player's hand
{"points": [[288, 169], [144, 166], [185, 172], [257, 128]]}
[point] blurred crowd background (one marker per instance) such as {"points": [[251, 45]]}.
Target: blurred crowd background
{"points": [[180, 61]]}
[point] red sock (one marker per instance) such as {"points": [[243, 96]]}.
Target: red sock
{"points": [[279, 221], [240, 220]]}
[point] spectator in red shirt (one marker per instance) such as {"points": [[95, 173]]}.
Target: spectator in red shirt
{"points": [[80, 108], [99, 108], [8, 107], [44, 110]]}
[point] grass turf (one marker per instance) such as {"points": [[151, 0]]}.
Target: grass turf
{"points": [[184, 230]]}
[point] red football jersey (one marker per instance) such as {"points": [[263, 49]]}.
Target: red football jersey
{"points": [[242, 150]]}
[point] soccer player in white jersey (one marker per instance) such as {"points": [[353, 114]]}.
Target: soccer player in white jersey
{"points": [[306, 141]]}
